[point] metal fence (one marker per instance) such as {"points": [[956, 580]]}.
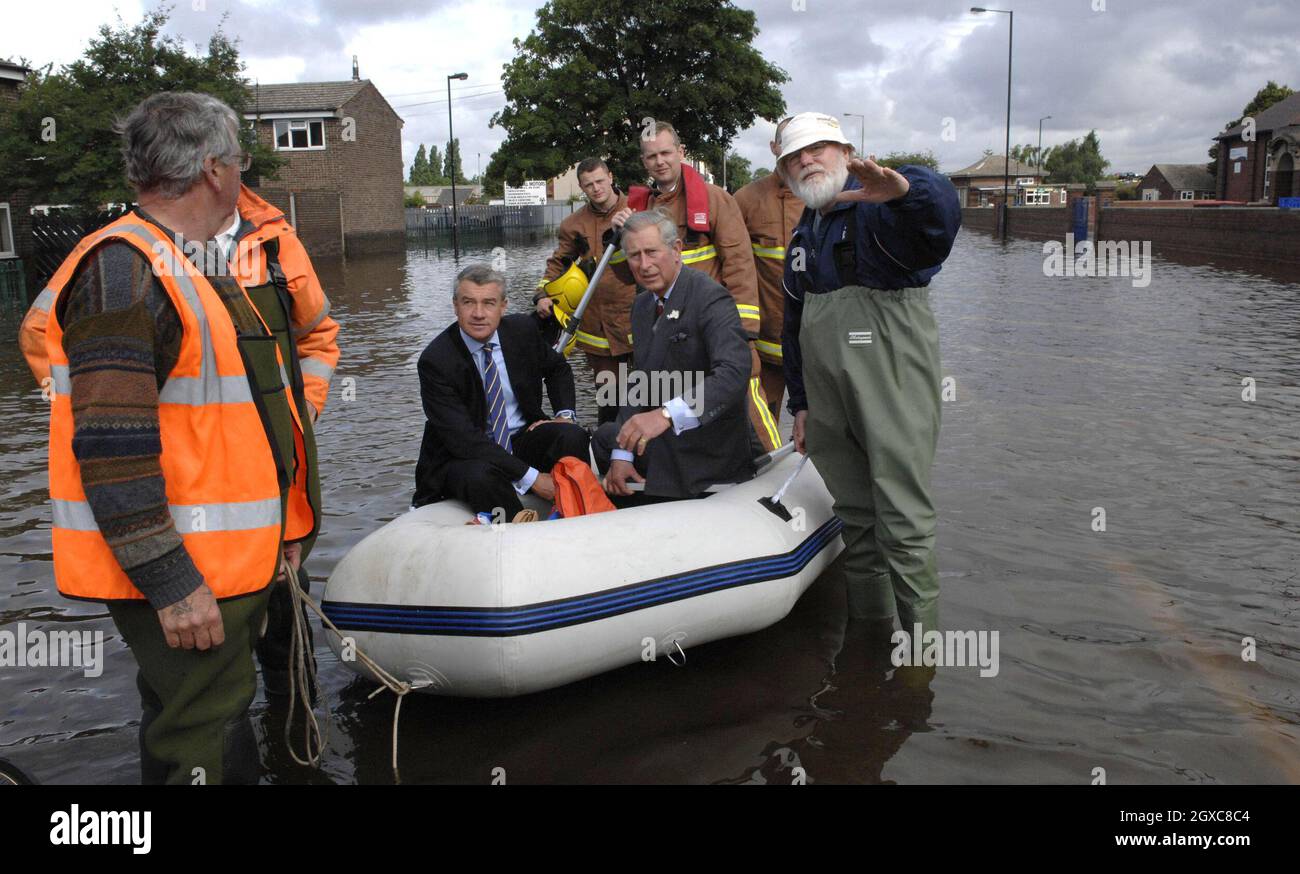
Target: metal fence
{"points": [[13, 284], [57, 234], [485, 218]]}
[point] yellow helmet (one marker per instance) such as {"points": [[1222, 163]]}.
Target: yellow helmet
{"points": [[567, 289]]}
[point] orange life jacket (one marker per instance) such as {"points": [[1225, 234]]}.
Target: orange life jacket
{"points": [[577, 491], [226, 468], [697, 199]]}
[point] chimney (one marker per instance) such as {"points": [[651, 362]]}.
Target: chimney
{"points": [[356, 74]]}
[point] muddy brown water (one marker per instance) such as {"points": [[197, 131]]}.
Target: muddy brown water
{"points": [[1118, 649]]}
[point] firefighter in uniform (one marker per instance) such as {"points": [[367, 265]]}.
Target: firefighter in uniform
{"points": [[605, 333], [771, 211], [716, 242]]}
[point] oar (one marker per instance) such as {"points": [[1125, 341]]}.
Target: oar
{"points": [[576, 319]]}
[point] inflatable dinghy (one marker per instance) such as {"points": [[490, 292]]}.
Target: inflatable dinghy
{"points": [[503, 610]]}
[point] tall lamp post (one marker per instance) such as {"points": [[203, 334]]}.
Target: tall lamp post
{"points": [[1006, 163], [863, 153], [1039, 153], [451, 138]]}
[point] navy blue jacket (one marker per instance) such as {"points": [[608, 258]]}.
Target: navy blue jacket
{"points": [[900, 244]]}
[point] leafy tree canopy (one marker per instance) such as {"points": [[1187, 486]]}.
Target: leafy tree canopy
{"points": [[898, 159], [592, 72], [1077, 161], [58, 141]]}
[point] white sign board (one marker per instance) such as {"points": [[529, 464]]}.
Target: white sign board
{"points": [[1239, 152], [533, 193]]}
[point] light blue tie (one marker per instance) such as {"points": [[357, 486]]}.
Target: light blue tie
{"points": [[496, 399]]}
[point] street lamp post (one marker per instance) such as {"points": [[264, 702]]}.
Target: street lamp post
{"points": [[863, 153], [1039, 154], [1006, 162], [451, 138]]}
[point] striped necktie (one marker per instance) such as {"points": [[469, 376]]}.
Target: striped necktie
{"points": [[496, 399]]}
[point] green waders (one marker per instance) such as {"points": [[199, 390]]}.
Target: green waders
{"points": [[871, 374], [195, 702], [274, 650]]}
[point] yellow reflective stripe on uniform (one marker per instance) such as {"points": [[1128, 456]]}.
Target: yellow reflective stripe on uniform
{"points": [[777, 252], [189, 518], [619, 257], [764, 414], [592, 340], [316, 367], [748, 311], [773, 349], [694, 256]]}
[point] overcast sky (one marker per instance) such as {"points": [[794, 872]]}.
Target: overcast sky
{"points": [[1157, 79]]}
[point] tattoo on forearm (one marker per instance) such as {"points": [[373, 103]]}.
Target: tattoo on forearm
{"points": [[180, 608]]}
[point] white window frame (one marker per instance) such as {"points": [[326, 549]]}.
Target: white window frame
{"points": [[290, 125], [7, 232], [1038, 197], [1185, 194]]}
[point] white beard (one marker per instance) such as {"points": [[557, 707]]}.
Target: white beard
{"points": [[819, 192]]}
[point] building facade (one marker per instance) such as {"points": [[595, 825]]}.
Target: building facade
{"points": [[15, 206], [1177, 182], [341, 185], [981, 183], [1257, 158]]}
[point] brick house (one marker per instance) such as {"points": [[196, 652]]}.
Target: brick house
{"points": [[341, 186], [980, 184], [1177, 182], [15, 216], [1262, 168]]}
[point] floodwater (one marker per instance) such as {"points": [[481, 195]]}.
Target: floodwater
{"points": [[1119, 649]]}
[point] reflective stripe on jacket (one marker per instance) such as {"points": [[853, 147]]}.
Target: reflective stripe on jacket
{"points": [[771, 211]]}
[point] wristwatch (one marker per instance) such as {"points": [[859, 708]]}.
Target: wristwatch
{"points": [[667, 415]]}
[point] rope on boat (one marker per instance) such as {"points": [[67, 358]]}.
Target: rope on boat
{"points": [[302, 674]]}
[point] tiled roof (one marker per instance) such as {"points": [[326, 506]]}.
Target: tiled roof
{"points": [[303, 96], [1187, 177], [992, 165], [1282, 114]]}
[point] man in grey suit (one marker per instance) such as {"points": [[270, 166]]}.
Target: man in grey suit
{"points": [[686, 334]]}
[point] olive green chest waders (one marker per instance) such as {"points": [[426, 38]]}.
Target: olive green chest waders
{"points": [[871, 374], [274, 650], [195, 726]]}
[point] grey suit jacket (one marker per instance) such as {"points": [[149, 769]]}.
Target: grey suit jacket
{"points": [[706, 340]]}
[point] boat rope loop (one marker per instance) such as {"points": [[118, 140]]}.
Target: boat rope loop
{"points": [[302, 675]]}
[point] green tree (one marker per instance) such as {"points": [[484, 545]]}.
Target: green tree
{"points": [[761, 172], [58, 142], [592, 72], [415, 198], [435, 176], [419, 167], [451, 164], [1264, 98], [1077, 161], [738, 172], [898, 159]]}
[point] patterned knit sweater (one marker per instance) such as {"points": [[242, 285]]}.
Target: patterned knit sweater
{"points": [[122, 336]]}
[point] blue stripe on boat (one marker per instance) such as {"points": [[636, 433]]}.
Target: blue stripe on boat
{"points": [[509, 621]]}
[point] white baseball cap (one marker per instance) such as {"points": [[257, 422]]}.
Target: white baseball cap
{"points": [[807, 128]]}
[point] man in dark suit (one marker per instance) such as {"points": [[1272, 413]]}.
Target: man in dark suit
{"points": [[686, 334], [486, 440]]}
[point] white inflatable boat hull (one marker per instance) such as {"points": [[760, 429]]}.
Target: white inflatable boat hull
{"points": [[503, 610]]}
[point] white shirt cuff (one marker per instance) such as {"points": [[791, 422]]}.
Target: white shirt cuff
{"points": [[622, 455], [525, 482], [683, 419]]}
